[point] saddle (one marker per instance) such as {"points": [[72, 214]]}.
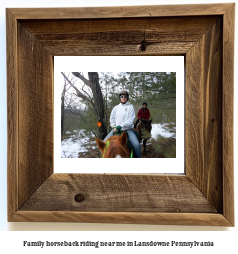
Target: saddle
{"points": [[129, 145]]}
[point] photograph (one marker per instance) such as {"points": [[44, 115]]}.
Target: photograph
{"points": [[98, 107], [135, 113]]}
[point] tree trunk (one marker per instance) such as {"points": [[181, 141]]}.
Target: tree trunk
{"points": [[98, 102]]}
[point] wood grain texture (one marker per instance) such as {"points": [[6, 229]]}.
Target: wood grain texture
{"points": [[227, 113], [204, 114], [133, 49], [191, 219], [117, 193], [119, 36], [204, 196], [49, 29], [121, 12], [35, 101], [12, 116]]}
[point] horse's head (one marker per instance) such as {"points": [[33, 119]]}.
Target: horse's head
{"points": [[114, 147], [146, 124], [144, 129]]}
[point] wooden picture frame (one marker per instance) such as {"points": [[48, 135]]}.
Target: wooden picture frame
{"points": [[204, 34]]}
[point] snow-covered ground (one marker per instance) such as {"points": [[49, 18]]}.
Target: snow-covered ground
{"points": [[160, 129], [76, 143]]}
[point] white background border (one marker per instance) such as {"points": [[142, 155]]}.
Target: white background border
{"points": [[12, 241], [117, 64]]}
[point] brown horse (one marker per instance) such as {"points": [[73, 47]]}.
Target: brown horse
{"points": [[144, 129], [114, 147]]}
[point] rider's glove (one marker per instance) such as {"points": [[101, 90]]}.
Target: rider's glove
{"points": [[118, 128]]}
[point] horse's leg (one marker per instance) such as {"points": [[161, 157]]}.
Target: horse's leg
{"points": [[144, 144]]}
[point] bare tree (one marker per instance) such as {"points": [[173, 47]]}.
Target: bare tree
{"points": [[63, 99], [62, 108], [92, 95]]}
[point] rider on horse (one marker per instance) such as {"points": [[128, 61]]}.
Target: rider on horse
{"points": [[143, 113], [122, 118]]}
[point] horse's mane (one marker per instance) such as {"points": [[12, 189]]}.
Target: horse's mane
{"points": [[116, 148]]}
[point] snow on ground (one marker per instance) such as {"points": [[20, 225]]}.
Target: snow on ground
{"points": [[75, 144], [160, 129]]}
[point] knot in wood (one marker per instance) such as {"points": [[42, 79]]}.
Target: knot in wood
{"points": [[143, 45], [79, 198]]}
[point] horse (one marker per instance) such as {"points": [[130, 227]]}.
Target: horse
{"points": [[114, 147], [144, 129]]}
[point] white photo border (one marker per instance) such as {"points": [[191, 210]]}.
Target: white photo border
{"points": [[120, 64]]}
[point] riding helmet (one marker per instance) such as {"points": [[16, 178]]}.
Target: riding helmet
{"points": [[124, 93]]}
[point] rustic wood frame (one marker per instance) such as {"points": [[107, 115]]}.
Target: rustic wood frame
{"points": [[204, 34]]}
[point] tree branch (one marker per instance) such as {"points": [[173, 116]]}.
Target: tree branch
{"points": [[86, 81], [79, 94]]}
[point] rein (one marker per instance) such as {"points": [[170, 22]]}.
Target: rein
{"points": [[107, 147]]}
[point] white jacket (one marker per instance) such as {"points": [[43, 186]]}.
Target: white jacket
{"points": [[123, 115]]}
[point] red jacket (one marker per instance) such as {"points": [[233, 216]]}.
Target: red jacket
{"points": [[143, 113]]}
